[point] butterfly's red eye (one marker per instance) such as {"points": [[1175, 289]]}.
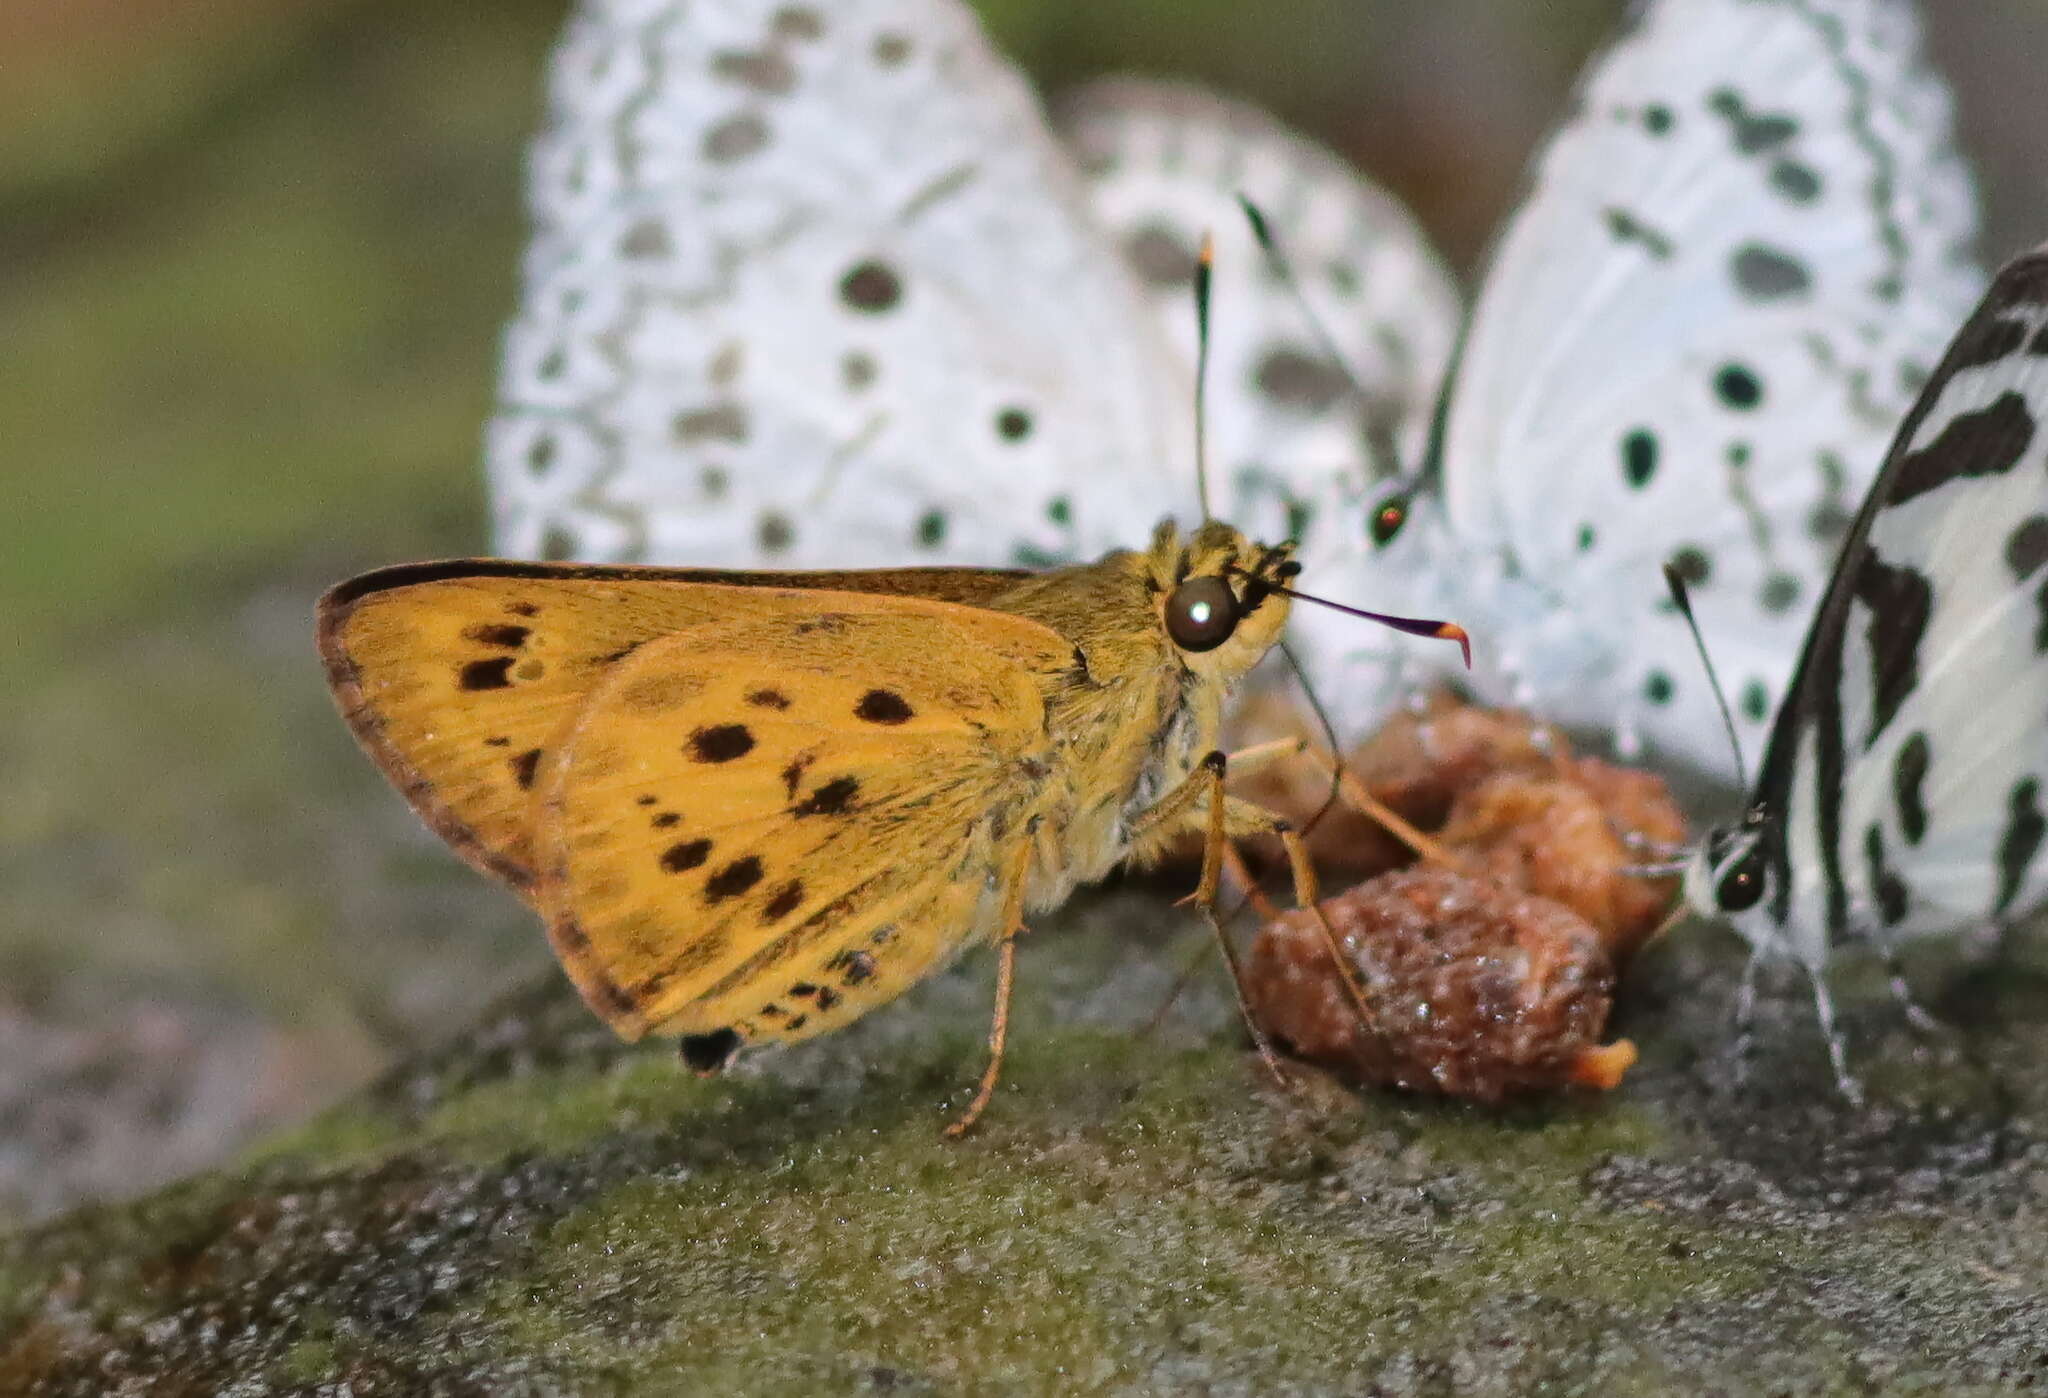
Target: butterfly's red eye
{"points": [[1388, 519]]}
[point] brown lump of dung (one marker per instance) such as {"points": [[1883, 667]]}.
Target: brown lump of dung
{"points": [[1477, 990], [1559, 836]]}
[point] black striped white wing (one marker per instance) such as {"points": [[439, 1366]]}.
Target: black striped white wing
{"points": [[1902, 787]]}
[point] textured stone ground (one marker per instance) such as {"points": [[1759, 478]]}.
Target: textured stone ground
{"points": [[537, 1210]]}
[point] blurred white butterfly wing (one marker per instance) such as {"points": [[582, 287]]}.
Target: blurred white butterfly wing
{"points": [[813, 285], [1738, 259], [1164, 163]]}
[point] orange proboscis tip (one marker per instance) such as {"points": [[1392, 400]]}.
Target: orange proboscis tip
{"points": [[1603, 1067], [1451, 631]]}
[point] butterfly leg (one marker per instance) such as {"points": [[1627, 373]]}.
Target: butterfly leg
{"points": [[1006, 976], [1254, 898], [1231, 818], [1824, 1010], [1226, 818], [1354, 794], [1745, 1017], [1919, 1019]]}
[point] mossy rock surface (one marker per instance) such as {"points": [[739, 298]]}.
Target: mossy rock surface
{"points": [[537, 1209]]}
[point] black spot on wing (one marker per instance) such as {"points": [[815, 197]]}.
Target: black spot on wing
{"points": [[883, 706], [871, 287], [1987, 442], [793, 774], [733, 880], [1639, 457], [667, 820], [1693, 564], [1625, 227], [1767, 274], [785, 901], [1754, 132], [833, 798], [2024, 827], [722, 743], [2026, 548], [486, 674], [735, 138], [705, 1054], [1796, 182], [1738, 387], [680, 858], [1299, 379], [497, 634], [1756, 701], [768, 699], [1779, 594], [765, 71], [720, 422], [524, 767], [774, 531], [1909, 774], [1899, 601], [1161, 256], [1893, 897]]}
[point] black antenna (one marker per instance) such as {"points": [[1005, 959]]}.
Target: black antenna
{"points": [[1412, 626], [1204, 264], [1679, 595], [1379, 433]]}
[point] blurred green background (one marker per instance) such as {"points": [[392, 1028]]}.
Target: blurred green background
{"points": [[254, 258]]}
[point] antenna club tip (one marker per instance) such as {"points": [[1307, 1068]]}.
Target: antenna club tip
{"points": [[1207, 256], [1451, 631], [1681, 595]]}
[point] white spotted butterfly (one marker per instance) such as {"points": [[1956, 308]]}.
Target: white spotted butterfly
{"points": [[816, 285], [1901, 789]]}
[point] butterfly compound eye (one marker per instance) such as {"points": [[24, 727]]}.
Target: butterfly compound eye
{"points": [[1742, 885], [1201, 614]]}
